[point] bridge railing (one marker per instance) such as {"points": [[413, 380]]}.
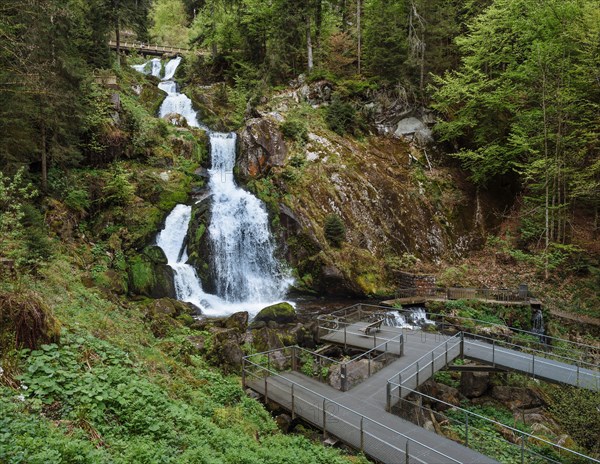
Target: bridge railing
{"points": [[464, 293], [141, 46], [547, 346], [349, 425], [536, 363], [471, 429], [321, 368]]}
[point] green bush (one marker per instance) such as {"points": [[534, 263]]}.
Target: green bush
{"points": [[294, 129], [335, 230], [340, 117]]}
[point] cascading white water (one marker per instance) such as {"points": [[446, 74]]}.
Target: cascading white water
{"points": [[408, 319], [247, 275], [245, 267]]}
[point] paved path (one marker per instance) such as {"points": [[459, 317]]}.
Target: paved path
{"points": [[382, 435]]}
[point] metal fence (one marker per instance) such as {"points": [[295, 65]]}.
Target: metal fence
{"points": [[471, 429], [460, 293], [352, 427]]}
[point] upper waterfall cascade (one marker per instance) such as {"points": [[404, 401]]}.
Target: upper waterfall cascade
{"points": [[248, 277]]}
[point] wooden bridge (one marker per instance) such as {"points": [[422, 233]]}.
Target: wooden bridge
{"points": [[147, 49], [360, 413]]}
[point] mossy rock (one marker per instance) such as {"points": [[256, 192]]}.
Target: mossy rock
{"points": [[149, 279], [281, 313], [155, 254], [166, 315]]}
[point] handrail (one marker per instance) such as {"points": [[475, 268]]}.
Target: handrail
{"points": [[362, 416], [456, 293], [467, 412], [495, 341], [428, 355], [479, 321], [343, 364]]}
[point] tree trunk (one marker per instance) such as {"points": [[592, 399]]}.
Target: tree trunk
{"points": [[118, 32], [44, 160], [309, 44], [358, 31]]}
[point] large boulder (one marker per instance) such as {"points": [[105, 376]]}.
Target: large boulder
{"points": [[414, 129], [225, 350], [237, 321], [149, 275], [166, 314], [517, 397], [198, 242], [281, 313], [474, 384], [262, 146]]}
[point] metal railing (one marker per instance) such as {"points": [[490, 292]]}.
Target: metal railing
{"points": [[320, 367], [349, 425], [560, 348], [471, 436], [147, 47], [460, 293]]}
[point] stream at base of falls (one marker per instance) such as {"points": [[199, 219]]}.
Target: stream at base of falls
{"points": [[248, 277]]}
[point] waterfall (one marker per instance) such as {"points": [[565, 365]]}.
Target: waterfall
{"points": [[414, 318], [245, 267], [247, 275]]}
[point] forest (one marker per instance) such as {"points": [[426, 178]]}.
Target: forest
{"points": [[97, 365]]}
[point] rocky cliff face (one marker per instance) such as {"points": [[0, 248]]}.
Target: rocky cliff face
{"points": [[397, 207]]}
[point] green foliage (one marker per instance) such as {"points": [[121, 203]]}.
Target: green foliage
{"points": [[169, 23], [340, 116], [577, 409], [335, 230], [118, 190], [295, 129]]}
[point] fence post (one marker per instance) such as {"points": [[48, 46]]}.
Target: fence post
{"points": [[294, 360], [293, 403], [462, 345], [266, 391], [269, 362], [345, 327], [577, 373], [388, 397], [432, 362], [466, 429], [244, 373], [324, 420], [362, 436], [493, 353], [344, 372], [417, 373], [406, 455], [369, 368], [446, 358], [533, 365], [401, 344]]}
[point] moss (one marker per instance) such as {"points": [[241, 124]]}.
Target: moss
{"points": [[280, 313], [199, 233], [141, 275]]}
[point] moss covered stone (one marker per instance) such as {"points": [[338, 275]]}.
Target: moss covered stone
{"points": [[150, 279], [281, 313]]}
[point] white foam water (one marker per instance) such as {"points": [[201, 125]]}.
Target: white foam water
{"points": [[408, 319], [248, 277]]}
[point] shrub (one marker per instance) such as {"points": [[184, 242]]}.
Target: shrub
{"points": [[340, 117], [335, 230], [294, 129]]}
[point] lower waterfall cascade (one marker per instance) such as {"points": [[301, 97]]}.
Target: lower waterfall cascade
{"points": [[248, 276]]}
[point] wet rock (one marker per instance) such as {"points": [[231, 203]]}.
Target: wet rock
{"points": [[226, 351], [266, 339], [262, 146], [316, 93], [165, 314], [517, 397], [156, 254], [149, 278], [356, 372], [445, 393], [284, 422], [474, 384], [281, 313], [237, 321], [198, 242]]}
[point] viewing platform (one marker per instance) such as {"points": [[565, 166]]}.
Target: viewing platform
{"points": [[357, 399]]}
